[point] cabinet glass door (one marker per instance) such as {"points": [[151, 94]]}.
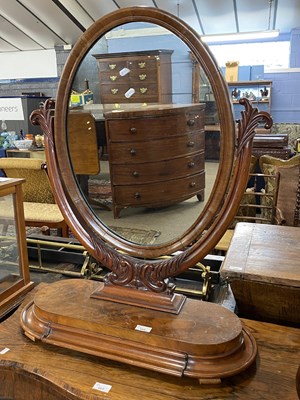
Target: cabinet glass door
{"points": [[14, 271]]}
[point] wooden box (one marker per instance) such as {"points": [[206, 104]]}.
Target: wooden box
{"points": [[262, 266], [274, 145], [232, 71], [269, 140]]}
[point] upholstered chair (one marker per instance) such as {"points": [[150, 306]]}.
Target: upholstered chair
{"points": [[40, 209]]}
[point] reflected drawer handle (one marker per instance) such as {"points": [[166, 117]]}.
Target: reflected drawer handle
{"points": [[133, 152], [137, 195], [114, 91], [191, 144], [135, 174], [133, 130], [192, 184], [142, 64], [142, 77], [113, 77], [191, 122], [112, 66], [143, 90], [191, 164]]}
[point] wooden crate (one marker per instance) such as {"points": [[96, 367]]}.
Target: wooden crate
{"points": [[263, 267]]}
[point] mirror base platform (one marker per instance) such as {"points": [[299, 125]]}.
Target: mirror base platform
{"points": [[204, 341], [171, 303]]}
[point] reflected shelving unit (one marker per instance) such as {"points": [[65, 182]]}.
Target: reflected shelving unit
{"points": [[258, 92]]}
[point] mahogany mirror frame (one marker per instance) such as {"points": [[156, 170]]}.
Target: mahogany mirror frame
{"points": [[142, 264], [138, 286]]}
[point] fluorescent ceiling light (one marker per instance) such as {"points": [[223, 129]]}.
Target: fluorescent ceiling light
{"points": [[232, 37]]}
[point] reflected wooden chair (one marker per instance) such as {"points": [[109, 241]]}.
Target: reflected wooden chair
{"points": [[83, 147], [257, 205], [84, 152], [40, 209], [260, 205]]}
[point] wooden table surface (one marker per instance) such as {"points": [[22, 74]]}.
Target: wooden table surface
{"points": [[270, 253], [36, 371]]}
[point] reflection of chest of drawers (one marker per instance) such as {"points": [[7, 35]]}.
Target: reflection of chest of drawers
{"points": [[156, 155], [135, 77]]}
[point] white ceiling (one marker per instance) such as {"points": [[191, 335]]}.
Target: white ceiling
{"points": [[42, 24]]}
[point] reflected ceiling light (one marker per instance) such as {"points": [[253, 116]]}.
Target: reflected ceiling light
{"points": [[233, 37]]}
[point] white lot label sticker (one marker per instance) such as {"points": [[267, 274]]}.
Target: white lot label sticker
{"points": [[102, 387], [5, 350], [235, 268], [129, 93], [124, 71], [143, 328]]}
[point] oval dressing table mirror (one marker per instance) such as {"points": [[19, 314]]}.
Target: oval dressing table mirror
{"points": [[135, 316]]}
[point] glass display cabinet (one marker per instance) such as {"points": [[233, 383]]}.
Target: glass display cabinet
{"points": [[14, 270], [202, 93]]}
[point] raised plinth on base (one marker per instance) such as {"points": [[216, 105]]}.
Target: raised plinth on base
{"points": [[204, 341]]}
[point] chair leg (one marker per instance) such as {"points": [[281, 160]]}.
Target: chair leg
{"points": [[65, 231], [5, 229]]}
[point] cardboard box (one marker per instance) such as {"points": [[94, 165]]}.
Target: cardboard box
{"points": [[79, 99], [232, 71]]}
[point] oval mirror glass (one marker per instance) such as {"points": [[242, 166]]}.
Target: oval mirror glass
{"points": [[172, 203], [140, 185]]}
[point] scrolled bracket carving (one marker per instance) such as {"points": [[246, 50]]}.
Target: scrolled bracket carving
{"points": [[251, 117], [44, 117], [136, 273]]}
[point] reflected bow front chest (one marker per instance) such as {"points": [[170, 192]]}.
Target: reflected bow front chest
{"points": [[156, 155]]}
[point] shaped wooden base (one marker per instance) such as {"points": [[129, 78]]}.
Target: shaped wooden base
{"points": [[203, 341]]}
